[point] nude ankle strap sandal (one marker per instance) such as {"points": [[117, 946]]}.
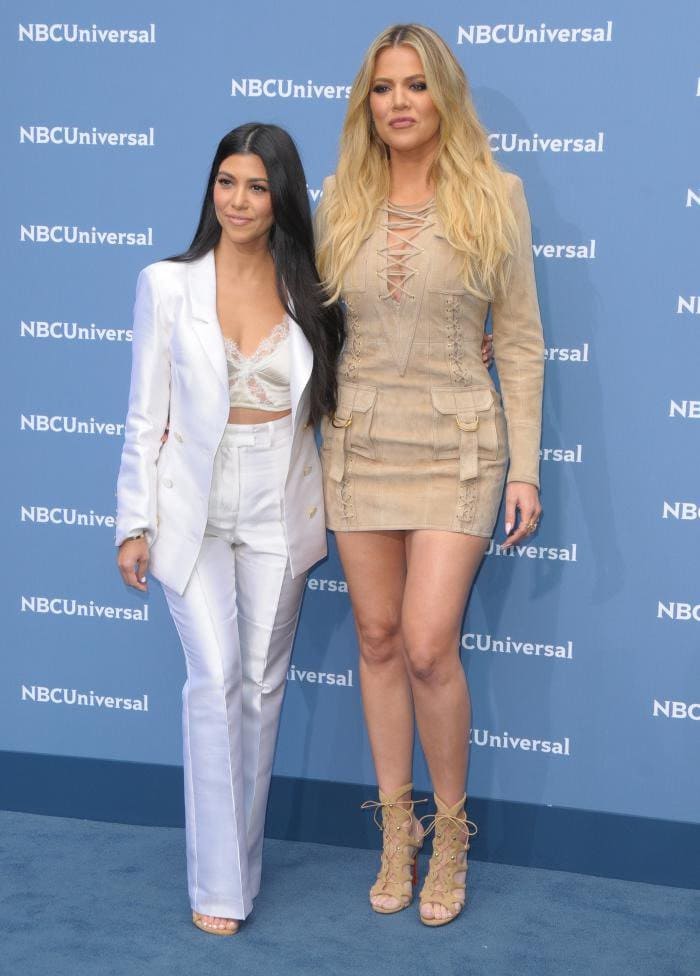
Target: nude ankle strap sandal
{"points": [[452, 832], [399, 850]]}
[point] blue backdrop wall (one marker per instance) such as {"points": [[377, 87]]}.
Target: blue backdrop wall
{"points": [[581, 647]]}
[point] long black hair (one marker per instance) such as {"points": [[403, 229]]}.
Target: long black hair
{"points": [[292, 247]]}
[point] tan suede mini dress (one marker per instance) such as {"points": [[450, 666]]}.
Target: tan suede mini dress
{"points": [[420, 439]]}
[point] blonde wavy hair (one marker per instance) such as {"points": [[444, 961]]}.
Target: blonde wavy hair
{"points": [[470, 190]]}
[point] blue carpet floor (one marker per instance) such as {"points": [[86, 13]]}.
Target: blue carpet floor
{"points": [[79, 897]]}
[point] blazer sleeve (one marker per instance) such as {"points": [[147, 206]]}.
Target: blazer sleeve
{"points": [[149, 401], [518, 349]]}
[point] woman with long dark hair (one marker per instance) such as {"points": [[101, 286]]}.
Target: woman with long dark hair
{"points": [[219, 491]]}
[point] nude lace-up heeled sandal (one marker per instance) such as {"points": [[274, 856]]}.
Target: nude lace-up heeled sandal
{"points": [[198, 920], [452, 832], [399, 849]]}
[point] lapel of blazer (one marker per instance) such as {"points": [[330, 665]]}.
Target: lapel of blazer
{"points": [[301, 361], [201, 275]]}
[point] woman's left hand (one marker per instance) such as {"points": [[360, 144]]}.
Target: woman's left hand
{"points": [[523, 499]]}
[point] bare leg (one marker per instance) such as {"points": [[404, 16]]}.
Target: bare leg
{"points": [[440, 570], [375, 569]]}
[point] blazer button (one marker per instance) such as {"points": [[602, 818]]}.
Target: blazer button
{"points": [[178, 437], [167, 482], [307, 469], [312, 511]]}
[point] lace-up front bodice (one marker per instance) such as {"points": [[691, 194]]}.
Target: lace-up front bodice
{"points": [[400, 227], [260, 381]]}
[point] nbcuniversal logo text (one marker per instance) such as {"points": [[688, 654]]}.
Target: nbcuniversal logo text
{"points": [[43, 515], [43, 329], [61, 606], [542, 34], [691, 304], [44, 423], [567, 251], [678, 611], [514, 648], [567, 554], [684, 511], [327, 585], [75, 34], [71, 135], [286, 88], [568, 354], [563, 455], [342, 679], [676, 709], [504, 740], [62, 234], [71, 696], [514, 142], [689, 409]]}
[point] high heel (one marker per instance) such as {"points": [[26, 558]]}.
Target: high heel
{"points": [[399, 850], [198, 920], [449, 858]]}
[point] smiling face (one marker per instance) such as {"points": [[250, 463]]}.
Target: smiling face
{"points": [[242, 200], [403, 112]]}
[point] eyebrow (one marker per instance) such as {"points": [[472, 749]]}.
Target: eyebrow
{"points": [[255, 179], [408, 78]]}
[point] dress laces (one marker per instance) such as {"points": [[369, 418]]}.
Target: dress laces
{"points": [[403, 226]]}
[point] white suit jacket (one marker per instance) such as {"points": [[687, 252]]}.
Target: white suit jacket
{"points": [[179, 379]]}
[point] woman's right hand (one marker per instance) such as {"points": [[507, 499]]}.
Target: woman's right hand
{"points": [[132, 560]]}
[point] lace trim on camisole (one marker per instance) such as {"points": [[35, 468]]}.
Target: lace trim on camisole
{"points": [[401, 225], [260, 381]]}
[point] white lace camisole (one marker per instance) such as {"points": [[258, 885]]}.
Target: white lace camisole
{"points": [[260, 381]]}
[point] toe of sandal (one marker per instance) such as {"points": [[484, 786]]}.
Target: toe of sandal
{"points": [[198, 920]]}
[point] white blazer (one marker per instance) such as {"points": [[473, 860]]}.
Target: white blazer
{"points": [[179, 379]]}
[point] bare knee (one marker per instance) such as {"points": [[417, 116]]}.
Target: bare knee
{"points": [[380, 642], [430, 665]]}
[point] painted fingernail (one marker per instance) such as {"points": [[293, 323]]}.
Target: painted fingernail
{"points": [[509, 528], [142, 579]]}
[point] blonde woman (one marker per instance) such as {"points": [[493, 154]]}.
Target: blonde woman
{"points": [[421, 233]]}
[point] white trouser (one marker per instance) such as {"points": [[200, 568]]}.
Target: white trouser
{"points": [[236, 620]]}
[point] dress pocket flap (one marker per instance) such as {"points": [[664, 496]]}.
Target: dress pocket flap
{"points": [[451, 401], [364, 399], [355, 413], [465, 427], [482, 399], [464, 403], [355, 399]]}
